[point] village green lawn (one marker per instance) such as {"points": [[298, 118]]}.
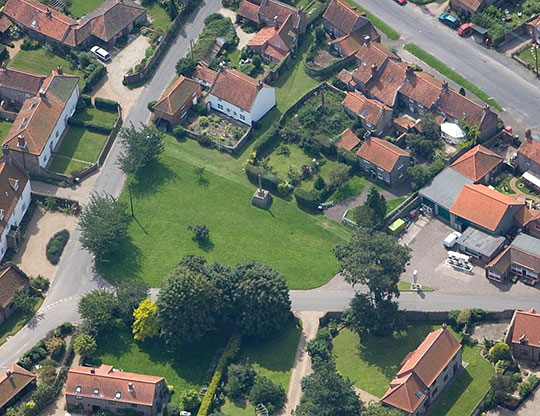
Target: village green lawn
{"points": [[169, 196], [160, 18], [78, 8], [40, 61], [185, 369]]}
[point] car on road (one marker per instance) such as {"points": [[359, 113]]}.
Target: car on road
{"points": [[449, 20], [101, 53], [465, 29], [401, 2], [451, 239]]}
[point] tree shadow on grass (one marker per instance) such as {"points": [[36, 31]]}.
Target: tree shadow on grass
{"points": [[150, 178], [122, 264], [206, 245]]}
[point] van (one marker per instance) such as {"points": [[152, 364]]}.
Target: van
{"points": [[101, 53], [451, 239]]}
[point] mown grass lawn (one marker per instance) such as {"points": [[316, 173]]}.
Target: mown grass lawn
{"points": [[4, 128], [40, 61], [96, 116], [170, 196], [184, 369], [353, 187], [80, 143], [373, 362], [78, 8], [528, 56], [392, 204], [160, 18], [67, 166], [15, 322]]}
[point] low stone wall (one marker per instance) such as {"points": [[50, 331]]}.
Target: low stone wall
{"points": [[525, 64], [8, 115], [222, 147], [335, 66]]}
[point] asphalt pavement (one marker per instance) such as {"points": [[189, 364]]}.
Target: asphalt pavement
{"points": [[75, 274], [509, 83]]}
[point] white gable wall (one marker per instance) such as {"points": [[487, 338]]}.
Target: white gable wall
{"points": [[16, 217], [264, 102]]}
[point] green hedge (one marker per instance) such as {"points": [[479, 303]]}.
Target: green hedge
{"points": [[56, 245], [97, 128], [94, 78], [231, 351], [266, 140], [87, 100], [269, 181], [104, 104], [306, 199], [348, 157]]}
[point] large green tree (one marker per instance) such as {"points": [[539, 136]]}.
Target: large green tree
{"points": [[24, 303], [325, 391], [128, 297], [139, 147], [98, 309], [378, 318], [104, 224], [187, 307], [263, 299], [377, 203], [85, 345]]}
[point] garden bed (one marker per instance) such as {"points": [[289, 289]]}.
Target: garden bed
{"points": [[218, 127]]}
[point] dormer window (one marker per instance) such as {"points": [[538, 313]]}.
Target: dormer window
{"points": [[363, 113], [96, 392], [130, 387], [14, 184], [419, 394], [78, 389], [2, 215], [118, 395]]}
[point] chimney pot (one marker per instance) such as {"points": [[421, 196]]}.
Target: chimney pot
{"points": [[60, 70], [21, 142], [93, 370], [9, 373], [487, 108], [528, 135], [374, 69], [444, 86], [5, 150], [367, 40], [276, 22], [409, 71], [259, 84]]}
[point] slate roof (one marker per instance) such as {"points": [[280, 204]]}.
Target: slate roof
{"points": [[236, 88], [481, 242], [22, 81], [38, 116], [483, 206], [381, 153], [248, 10], [9, 196], [445, 188], [348, 140], [176, 96], [477, 163], [369, 110], [13, 384], [526, 328], [342, 16], [109, 382]]}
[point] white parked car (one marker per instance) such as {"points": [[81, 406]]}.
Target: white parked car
{"points": [[101, 53], [451, 239]]}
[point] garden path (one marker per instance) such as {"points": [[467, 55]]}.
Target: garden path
{"points": [[302, 361], [519, 192], [365, 396]]}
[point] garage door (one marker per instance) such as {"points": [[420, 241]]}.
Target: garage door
{"points": [[444, 213]]}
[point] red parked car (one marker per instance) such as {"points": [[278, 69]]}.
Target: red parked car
{"points": [[465, 29], [401, 2]]}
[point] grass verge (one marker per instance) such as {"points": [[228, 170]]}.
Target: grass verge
{"points": [[451, 74], [15, 322], [406, 287]]}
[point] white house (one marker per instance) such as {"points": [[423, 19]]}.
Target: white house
{"points": [[15, 198], [39, 126], [240, 96]]}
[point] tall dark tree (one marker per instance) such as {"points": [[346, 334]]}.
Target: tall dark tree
{"points": [[325, 391], [187, 305], [139, 147], [128, 297], [376, 260], [186, 66], [263, 299], [376, 409], [104, 224], [226, 281], [377, 202], [24, 303], [364, 316], [98, 310]]}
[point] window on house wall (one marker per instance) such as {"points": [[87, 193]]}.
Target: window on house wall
{"points": [[220, 106], [242, 117], [523, 352]]}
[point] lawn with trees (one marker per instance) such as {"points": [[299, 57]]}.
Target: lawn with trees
{"points": [[164, 194]]}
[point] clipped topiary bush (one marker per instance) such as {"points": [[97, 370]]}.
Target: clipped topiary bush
{"points": [[56, 245]]}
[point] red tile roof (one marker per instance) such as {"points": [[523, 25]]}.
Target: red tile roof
{"points": [[42, 19], [39, 115], [175, 97], [13, 384], [473, 5], [270, 9], [386, 86], [236, 88], [5, 23], [342, 16], [351, 43], [204, 73], [482, 206], [9, 197], [109, 382], [530, 148], [249, 11], [422, 88], [369, 110], [12, 279], [525, 216], [381, 153], [348, 140], [22, 81], [526, 328], [457, 106], [372, 53], [477, 163], [420, 369]]}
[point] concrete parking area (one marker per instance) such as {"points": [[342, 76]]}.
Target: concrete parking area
{"points": [[428, 255]]}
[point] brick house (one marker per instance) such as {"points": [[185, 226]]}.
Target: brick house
{"points": [[15, 382], [16, 189], [204, 75], [16, 86], [90, 389], [528, 155], [41, 122], [103, 26], [273, 43], [383, 160], [265, 12], [533, 29], [240, 96], [479, 164], [348, 140], [470, 6], [425, 372], [523, 335], [174, 105], [12, 280], [340, 19], [375, 116]]}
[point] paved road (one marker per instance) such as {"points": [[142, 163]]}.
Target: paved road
{"points": [[75, 275], [498, 75]]}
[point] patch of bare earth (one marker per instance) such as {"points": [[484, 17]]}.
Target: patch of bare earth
{"points": [[31, 256], [323, 57]]}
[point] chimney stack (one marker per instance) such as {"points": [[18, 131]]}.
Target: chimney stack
{"points": [[374, 70], [60, 70], [276, 22], [130, 387], [259, 85], [42, 93], [93, 370], [528, 135], [5, 150], [21, 142], [48, 13], [367, 136], [444, 86], [3, 67], [409, 71], [367, 40], [487, 109]]}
